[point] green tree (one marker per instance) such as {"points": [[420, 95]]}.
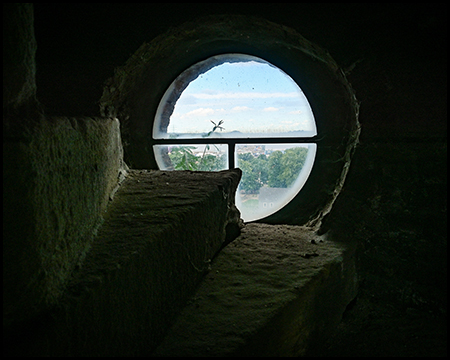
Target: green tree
{"points": [[246, 157], [291, 164], [262, 167], [254, 172], [284, 168], [250, 181], [275, 170], [210, 162]]}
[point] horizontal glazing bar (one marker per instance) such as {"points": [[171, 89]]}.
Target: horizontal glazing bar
{"points": [[314, 139]]}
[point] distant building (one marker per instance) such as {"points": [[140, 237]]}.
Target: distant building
{"points": [[255, 150]]}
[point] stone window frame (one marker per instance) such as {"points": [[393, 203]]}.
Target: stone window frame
{"points": [[134, 93]]}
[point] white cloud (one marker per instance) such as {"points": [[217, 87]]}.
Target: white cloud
{"points": [[245, 95], [186, 99], [199, 112], [271, 108], [297, 112], [241, 108]]}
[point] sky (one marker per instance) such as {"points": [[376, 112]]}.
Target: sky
{"points": [[250, 97]]}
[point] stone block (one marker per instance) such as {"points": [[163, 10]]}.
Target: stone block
{"points": [[159, 235], [273, 291], [57, 180]]}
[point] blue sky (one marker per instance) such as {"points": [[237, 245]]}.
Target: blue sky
{"points": [[250, 97]]}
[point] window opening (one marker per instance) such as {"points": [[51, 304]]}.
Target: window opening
{"points": [[237, 110], [195, 157], [272, 175]]}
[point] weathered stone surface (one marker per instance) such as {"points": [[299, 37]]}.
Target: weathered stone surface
{"points": [[57, 180], [157, 241], [271, 292]]}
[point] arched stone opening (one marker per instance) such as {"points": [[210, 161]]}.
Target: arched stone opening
{"points": [[134, 93]]}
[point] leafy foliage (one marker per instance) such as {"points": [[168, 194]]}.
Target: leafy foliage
{"points": [[279, 169], [285, 167], [183, 158]]}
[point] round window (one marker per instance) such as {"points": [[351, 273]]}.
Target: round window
{"points": [[237, 91], [236, 110]]}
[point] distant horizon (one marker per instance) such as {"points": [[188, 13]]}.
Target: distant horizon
{"points": [[223, 148], [249, 96], [237, 134]]}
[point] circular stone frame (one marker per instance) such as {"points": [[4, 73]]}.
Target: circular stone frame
{"points": [[134, 93]]}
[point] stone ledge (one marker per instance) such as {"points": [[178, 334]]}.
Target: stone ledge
{"points": [[271, 292], [157, 241]]}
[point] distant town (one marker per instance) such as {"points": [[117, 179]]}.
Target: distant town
{"points": [[254, 149]]}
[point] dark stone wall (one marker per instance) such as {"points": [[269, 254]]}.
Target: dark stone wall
{"points": [[394, 202], [398, 180], [58, 175], [56, 186], [395, 55]]}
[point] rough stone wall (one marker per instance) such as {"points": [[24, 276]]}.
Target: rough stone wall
{"points": [[58, 174], [156, 244], [401, 222], [394, 200], [56, 184]]}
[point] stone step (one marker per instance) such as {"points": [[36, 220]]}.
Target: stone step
{"points": [[159, 235], [271, 292]]}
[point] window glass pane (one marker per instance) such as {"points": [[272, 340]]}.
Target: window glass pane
{"points": [[212, 157], [248, 96], [272, 175]]}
